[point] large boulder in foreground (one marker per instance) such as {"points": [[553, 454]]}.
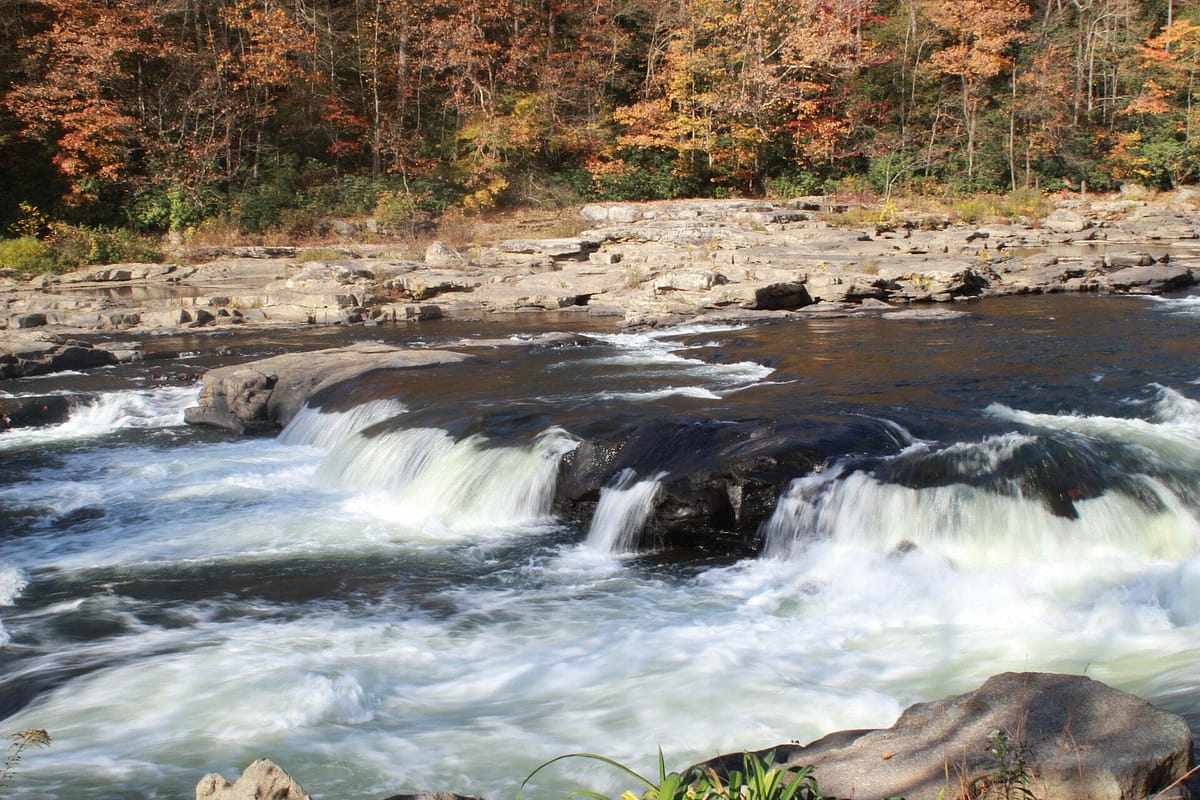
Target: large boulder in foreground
{"points": [[1078, 739], [265, 395], [262, 780]]}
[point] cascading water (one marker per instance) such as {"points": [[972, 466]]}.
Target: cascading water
{"points": [[312, 426], [146, 409], [385, 588], [621, 512]]}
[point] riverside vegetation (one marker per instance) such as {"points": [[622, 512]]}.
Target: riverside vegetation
{"points": [[270, 118]]}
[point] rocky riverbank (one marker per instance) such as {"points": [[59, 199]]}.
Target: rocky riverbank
{"points": [[636, 264], [1029, 735]]}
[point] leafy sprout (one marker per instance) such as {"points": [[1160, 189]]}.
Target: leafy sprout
{"points": [[758, 779]]}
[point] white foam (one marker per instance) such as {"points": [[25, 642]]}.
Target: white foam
{"points": [[12, 582], [1172, 434], [655, 354], [977, 526], [141, 408], [1179, 306]]}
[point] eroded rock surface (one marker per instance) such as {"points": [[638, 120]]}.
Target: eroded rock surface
{"points": [[1077, 738], [265, 395], [262, 780], [645, 264]]}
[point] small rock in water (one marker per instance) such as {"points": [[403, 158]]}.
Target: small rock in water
{"points": [[262, 780]]}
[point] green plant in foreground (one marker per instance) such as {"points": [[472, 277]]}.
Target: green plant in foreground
{"points": [[22, 741], [759, 779], [1010, 775]]}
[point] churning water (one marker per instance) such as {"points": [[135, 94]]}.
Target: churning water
{"points": [[382, 598]]}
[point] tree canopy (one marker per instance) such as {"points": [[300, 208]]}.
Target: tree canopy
{"points": [[159, 114]]}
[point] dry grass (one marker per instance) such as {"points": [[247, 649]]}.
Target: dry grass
{"points": [[1023, 205]]}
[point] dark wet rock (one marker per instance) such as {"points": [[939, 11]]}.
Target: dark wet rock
{"points": [[719, 478], [1058, 474], [265, 395], [781, 296], [33, 412], [79, 516], [1078, 738]]}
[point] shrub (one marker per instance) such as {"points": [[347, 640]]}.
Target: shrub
{"points": [[80, 245], [1028, 203], [795, 184], [175, 209], [27, 254], [399, 213]]}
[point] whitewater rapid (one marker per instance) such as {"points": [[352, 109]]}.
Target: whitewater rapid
{"points": [[383, 605]]}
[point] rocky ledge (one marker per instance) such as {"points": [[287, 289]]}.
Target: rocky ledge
{"points": [[1031, 735], [265, 395], [645, 264]]}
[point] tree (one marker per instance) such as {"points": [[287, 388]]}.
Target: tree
{"points": [[978, 35], [81, 95]]}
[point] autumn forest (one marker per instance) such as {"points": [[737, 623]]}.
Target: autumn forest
{"points": [[158, 115]]}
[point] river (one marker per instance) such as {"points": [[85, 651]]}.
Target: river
{"points": [[401, 610]]}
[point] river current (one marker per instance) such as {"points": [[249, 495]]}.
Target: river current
{"points": [[382, 600]]}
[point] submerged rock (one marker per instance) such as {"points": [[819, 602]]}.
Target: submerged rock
{"points": [[1073, 738]]}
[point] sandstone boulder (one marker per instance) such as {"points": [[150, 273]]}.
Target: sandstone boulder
{"points": [[1075, 739], [443, 255], [1153, 279], [1065, 221], [23, 355], [265, 395], [572, 248], [262, 780]]}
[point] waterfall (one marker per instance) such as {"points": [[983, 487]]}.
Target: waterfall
{"points": [[318, 428], [423, 475], [1012, 499], [622, 511]]}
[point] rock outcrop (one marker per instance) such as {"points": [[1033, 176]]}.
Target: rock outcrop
{"points": [[1060, 737], [265, 395], [647, 264], [24, 354], [719, 480], [262, 780]]}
